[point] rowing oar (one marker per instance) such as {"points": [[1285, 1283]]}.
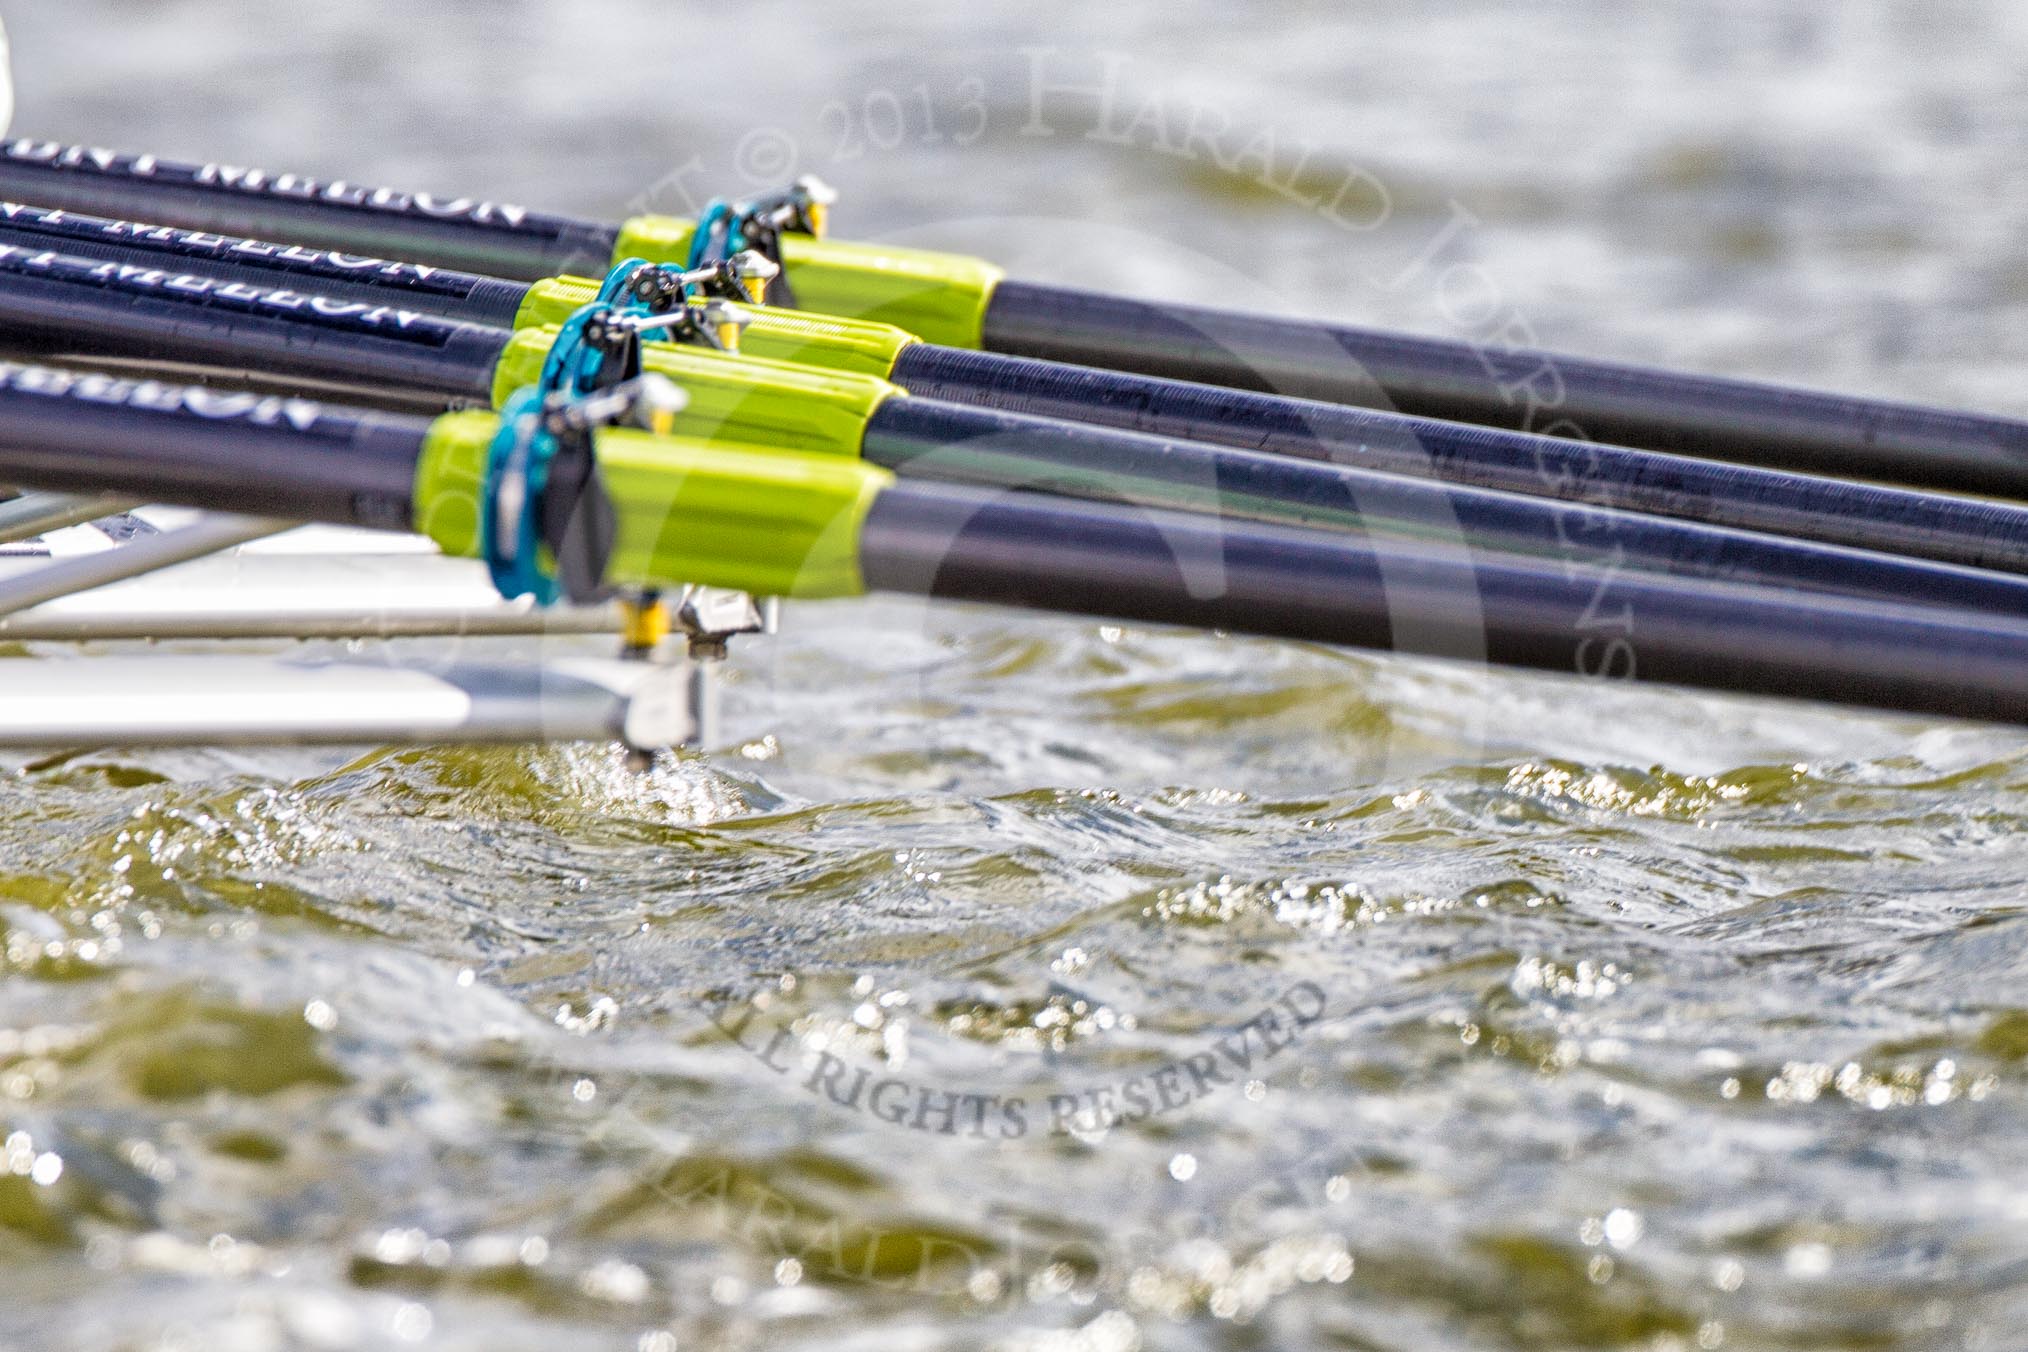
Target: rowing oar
{"points": [[965, 302], [1804, 507], [92, 308], [636, 509]]}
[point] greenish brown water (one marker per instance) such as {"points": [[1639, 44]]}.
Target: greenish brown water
{"points": [[1043, 985]]}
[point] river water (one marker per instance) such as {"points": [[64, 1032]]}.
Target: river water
{"points": [[1035, 984]]}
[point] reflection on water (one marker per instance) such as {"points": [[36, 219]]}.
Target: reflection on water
{"points": [[962, 999]]}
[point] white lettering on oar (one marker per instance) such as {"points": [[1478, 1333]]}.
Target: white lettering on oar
{"points": [[159, 397]]}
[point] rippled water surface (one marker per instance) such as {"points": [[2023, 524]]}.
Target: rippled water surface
{"points": [[1043, 985]]}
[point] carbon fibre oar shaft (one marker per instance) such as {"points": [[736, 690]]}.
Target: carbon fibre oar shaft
{"points": [[818, 526], [1828, 511], [69, 305], [964, 302]]}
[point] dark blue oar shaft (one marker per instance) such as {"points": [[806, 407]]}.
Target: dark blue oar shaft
{"points": [[1806, 507], [1829, 511], [263, 455], [72, 434], [489, 238], [1740, 421], [1732, 420], [55, 303], [1945, 529], [445, 292], [1089, 559], [927, 438]]}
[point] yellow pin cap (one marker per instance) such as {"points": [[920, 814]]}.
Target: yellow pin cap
{"points": [[645, 621]]}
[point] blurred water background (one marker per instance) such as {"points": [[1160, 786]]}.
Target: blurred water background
{"points": [[1606, 1018]]}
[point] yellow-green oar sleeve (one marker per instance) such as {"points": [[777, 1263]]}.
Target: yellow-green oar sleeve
{"points": [[938, 297], [858, 346], [686, 511], [734, 397]]}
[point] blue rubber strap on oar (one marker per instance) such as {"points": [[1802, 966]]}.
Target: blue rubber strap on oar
{"points": [[573, 366], [524, 451], [613, 291], [517, 472], [717, 236]]}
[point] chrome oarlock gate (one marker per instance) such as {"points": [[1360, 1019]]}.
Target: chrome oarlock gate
{"points": [[195, 576]]}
